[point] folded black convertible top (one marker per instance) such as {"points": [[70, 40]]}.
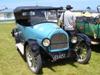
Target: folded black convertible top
{"points": [[30, 8]]}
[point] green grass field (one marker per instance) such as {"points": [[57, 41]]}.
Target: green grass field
{"points": [[11, 63]]}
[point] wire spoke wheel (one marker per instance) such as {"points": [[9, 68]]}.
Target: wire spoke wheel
{"points": [[83, 52], [34, 61]]}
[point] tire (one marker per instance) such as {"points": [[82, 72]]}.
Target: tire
{"points": [[34, 60], [83, 51], [17, 40], [15, 34]]}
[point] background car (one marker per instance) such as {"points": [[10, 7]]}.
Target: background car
{"points": [[39, 38], [90, 26]]}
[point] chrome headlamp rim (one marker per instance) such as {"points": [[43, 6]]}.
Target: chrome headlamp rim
{"points": [[74, 39], [46, 42]]}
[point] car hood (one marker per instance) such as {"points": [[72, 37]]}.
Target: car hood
{"points": [[45, 29]]}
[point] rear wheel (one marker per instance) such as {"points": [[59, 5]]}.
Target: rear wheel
{"points": [[34, 60], [83, 51], [15, 33]]}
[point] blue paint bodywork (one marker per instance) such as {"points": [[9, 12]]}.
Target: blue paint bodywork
{"points": [[40, 32]]}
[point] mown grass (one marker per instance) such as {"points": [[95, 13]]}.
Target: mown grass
{"points": [[11, 63]]}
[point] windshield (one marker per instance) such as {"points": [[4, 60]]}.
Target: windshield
{"points": [[37, 17]]}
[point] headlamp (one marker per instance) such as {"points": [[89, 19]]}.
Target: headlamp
{"points": [[46, 42], [74, 39]]}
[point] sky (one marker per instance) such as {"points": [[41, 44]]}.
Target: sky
{"points": [[77, 4]]}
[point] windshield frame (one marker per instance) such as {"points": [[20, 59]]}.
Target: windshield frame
{"points": [[44, 18]]}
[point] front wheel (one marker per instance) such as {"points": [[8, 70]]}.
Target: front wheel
{"points": [[83, 51], [34, 61]]}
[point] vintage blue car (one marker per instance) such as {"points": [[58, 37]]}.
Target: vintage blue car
{"points": [[39, 38]]}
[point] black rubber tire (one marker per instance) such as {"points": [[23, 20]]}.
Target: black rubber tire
{"points": [[36, 59], [79, 49], [17, 40]]}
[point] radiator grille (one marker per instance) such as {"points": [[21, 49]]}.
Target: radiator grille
{"points": [[58, 41]]}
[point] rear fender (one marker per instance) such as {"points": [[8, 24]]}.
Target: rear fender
{"points": [[14, 32]]}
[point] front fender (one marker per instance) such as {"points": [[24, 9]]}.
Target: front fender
{"points": [[34, 46], [85, 38]]}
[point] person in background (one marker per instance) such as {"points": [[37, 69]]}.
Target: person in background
{"points": [[67, 20]]}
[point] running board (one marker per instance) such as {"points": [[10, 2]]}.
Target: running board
{"points": [[20, 47]]}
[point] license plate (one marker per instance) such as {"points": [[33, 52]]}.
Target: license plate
{"points": [[60, 56]]}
